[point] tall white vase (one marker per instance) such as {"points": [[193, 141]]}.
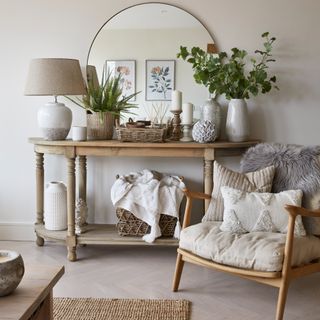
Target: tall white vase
{"points": [[211, 111], [237, 125], [55, 206]]}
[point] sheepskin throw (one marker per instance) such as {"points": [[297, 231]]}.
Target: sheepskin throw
{"points": [[296, 167]]}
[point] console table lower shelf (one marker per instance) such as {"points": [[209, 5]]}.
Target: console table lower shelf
{"points": [[100, 234]]}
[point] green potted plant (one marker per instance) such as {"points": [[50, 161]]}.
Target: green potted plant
{"points": [[104, 102], [238, 77]]}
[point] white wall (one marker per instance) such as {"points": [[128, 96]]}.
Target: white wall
{"points": [[34, 28]]}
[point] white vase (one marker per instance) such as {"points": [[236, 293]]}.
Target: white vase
{"points": [[211, 111], [54, 120], [55, 206], [237, 125], [100, 128]]}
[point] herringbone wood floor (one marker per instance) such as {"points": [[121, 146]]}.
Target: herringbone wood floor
{"points": [[146, 272]]}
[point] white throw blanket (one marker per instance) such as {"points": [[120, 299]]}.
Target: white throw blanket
{"points": [[147, 194]]}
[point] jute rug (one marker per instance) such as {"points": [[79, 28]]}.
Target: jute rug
{"points": [[119, 309]]}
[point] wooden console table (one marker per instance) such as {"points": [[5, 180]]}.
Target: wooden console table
{"points": [[106, 234]]}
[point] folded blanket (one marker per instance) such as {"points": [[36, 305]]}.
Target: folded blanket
{"points": [[147, 194]]}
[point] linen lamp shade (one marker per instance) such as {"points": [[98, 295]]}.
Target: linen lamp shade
{"points": [[54, 77]]}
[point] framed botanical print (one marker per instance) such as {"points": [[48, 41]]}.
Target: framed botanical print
{"points": [[127, 69], [160, 79]]}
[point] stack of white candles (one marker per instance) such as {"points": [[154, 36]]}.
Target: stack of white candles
{"points": [[186, 108]]}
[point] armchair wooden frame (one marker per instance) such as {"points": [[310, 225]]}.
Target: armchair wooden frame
{"points": [[279, 279]]}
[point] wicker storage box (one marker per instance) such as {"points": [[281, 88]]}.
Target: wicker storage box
{"points": [[141, 134], [130, 225]]}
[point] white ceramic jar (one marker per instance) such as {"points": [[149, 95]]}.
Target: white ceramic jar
{"points": [[55, 206], [211, 111], [54, 120]]}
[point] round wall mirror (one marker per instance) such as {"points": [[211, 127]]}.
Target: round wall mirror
{"points": [[142, 43]]}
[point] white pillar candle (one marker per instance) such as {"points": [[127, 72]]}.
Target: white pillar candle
{"points": [[187, 113], [176, 103]]}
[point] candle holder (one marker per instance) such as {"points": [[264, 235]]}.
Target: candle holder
{"points": [[176, 132], [187, 133]]}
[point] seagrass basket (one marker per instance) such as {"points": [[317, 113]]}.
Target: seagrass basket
{"points": [[130, 225], [141, 134]]}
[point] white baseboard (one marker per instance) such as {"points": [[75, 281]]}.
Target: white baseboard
{"points": [[17, 231]]}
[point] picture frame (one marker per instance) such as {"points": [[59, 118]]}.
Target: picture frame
{"points": [[160, 80], [128, 70]]}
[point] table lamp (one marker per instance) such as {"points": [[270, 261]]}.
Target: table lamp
{"points": [[54, 77]]}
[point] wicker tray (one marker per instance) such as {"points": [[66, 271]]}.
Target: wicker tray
{"points": [[141, 134], [129, 225]]}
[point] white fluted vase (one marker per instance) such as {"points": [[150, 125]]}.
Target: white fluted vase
{"points": [[237, 125], [55, 206]]}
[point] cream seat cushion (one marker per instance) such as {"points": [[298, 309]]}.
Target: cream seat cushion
{"points": [[254, 250]]}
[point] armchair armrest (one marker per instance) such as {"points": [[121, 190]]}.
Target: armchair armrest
{"points": [[196, 195], [294, 210], [190, 195]]}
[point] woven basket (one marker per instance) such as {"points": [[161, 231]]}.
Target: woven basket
{"points": [[130, 225], [141, 134]]}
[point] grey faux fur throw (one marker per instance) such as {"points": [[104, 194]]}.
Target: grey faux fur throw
{"points": [[297, 167]]}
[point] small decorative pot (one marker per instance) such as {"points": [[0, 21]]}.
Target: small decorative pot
{"points": [[211, 111], [237, 125], [55, 206], [11, 271], [100, 127], [204, 131]]}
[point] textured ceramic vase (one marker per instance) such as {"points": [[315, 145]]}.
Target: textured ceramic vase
{"points": [[54, 120], [11, 271], [204, 131], [100, 127], [237, 125], [55, 206], [211, 111]]}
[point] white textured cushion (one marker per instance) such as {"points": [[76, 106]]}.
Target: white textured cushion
{"points": [[255, 250], [254, 211], [260, 181]]}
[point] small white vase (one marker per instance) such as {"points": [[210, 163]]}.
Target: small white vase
{"points": [[54, 120], [211, 111], [55, 206], [237, 125]]}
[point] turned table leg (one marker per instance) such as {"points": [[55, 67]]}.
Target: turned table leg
{"points": [[71, 236], [208, 174], [82, 175], [39, 193]]}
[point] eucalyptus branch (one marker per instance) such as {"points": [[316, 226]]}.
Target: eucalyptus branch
{"points": [[234, 76]]}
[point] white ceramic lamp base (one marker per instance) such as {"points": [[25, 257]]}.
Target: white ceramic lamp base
{"points": [[54, 120]]}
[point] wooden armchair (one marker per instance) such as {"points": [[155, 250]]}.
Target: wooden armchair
{"points": [[280, 279]]}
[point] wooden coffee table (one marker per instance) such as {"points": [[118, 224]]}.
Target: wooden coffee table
{"points": [[33, 297]]}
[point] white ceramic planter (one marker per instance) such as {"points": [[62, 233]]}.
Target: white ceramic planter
{"points": [[237, 125], [54, 120], [55, 206]]}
